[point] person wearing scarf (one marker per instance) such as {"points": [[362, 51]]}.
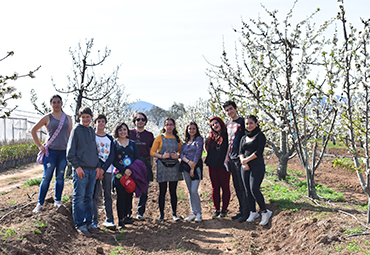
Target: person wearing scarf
{"points": [[216, 146], [251, 150]]}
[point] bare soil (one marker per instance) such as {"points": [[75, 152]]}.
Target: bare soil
{"points": [[311, 230]]}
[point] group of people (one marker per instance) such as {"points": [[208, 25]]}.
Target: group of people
{"points": [[102, 164]]}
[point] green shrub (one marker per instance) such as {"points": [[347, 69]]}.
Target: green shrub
{"points": [[32, 182]]}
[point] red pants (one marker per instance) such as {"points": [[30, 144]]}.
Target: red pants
{"points": [[220, 178]]}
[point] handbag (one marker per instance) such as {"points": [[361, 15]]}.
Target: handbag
{"points": [[41, 155]]}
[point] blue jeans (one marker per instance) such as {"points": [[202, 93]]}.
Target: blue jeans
{"points": [[194, 198], [57, 159], [83, 190]]}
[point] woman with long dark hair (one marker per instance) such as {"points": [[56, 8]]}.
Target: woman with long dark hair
{"points": [[59, 126], [166, 148], [253, 169], [125, 152], [216, 147], [192, 168]]}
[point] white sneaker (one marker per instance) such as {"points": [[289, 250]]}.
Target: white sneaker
{"points": [[198, 218], [58, 204], [253, 216], [175, 218], [38, 208], [109, 224], [265, 217], [191, 217]]}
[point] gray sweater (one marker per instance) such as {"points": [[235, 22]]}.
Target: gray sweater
{"points": [[81, 148]]}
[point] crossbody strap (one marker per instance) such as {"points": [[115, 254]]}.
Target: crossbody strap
{"points": [[56, 133]]}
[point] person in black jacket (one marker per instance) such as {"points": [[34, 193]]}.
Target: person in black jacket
{"points": [[251, 150], [216, 147]]}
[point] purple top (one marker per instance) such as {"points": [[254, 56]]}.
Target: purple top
{"points": [[61, 141], [192, 151], [144, 141]]}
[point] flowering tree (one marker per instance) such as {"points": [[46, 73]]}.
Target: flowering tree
{"points": [[351, 59], [274, 77], [8, 92], [85, 84]]}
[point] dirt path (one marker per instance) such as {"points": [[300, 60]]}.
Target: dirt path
{"points": [[16, 177]]}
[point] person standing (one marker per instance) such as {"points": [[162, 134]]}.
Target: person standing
{"points": [[253, 169], [83, 156], [216, 146], [191, 156], [166, 147], [235, 130], [104, 143], [144, 141], [55, 153], [125, 153]]}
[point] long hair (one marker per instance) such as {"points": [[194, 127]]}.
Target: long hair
{"points": [[214, 137], [174, 132], [118, 127], [187, 135]]}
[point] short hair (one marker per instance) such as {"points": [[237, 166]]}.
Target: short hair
{"points": [[141, 113], [118, 127], [100, 116], [85, 110], [227, 103]]}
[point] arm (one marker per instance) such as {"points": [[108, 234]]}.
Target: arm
{"points": [[157, 146], [72, 156], [70, 124], [176, 155], [42, 122]]}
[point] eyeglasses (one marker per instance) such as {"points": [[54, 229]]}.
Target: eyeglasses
{"points": [[142, 119]]}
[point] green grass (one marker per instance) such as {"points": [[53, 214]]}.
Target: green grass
{"points": [[32, 182], [180, 193], [65, 199], [357, 230]]}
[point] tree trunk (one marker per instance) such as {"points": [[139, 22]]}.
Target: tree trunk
{"points": [[282, 168], [311, 187]]}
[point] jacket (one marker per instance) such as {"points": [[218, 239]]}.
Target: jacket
{"points": [[139, 173]]}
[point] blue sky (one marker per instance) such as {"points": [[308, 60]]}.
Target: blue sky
{"points": [[160, 45]]}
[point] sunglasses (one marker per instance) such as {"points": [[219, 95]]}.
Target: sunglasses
{"points": [[142, 119]]}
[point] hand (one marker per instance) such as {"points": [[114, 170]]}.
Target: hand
{"points": [[166, 155], [246, 167], [80, 172], [192, 172], [174, 155], [192, 164], [226, 160], [99, 174], [244, 161], [42, 148], [128, 172]]}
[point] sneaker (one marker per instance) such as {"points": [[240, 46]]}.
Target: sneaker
{"points": [[92, 229], [216, 214], [265, 217], [38, 208], [223, 213], [243, 217], [198, 218], [253, 216], [175, 218], [191, 217], [161, 218], [95, 224], [121, 224], [82, 230], [140, 217], [236, 217], [128, 220], [109, 225], [58, 204]]}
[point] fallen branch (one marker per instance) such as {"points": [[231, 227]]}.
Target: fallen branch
{"points": [[3, 209], [354, 217], [361, 234], [17, 210]]}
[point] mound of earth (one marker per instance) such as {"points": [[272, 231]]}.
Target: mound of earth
{"points": [[311, 230]]}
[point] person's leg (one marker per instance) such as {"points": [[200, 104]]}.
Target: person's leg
{"points": [[234, 167], [89, 196], [162, 195], [128, 204], [195, 201], [107, 196], [61, 164], [79, 191], [141, 203], [216, 198], [49, 166], [173, 195], [121, 197], [224, 177], [250, 199], [96, 195], [256, 177], [188, 185]]}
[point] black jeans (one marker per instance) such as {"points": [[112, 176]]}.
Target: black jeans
{"points": [[234, 168], [162, 195]]}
